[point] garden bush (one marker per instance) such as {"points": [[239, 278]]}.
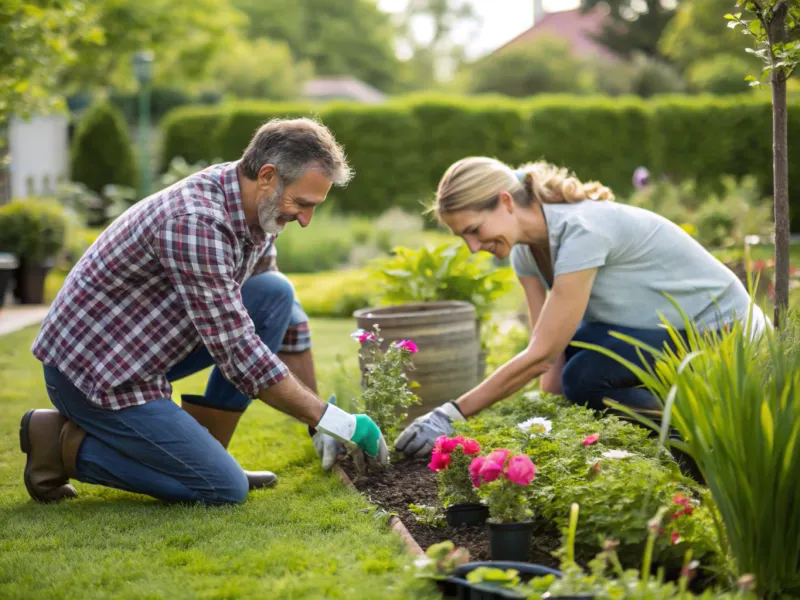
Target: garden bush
{"points": [[33, 229], [101, 151], [189, 132]]}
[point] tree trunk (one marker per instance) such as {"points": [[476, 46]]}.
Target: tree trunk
{"points": [[780, 154]]}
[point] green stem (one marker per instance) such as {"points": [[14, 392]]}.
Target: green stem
{"points": [[573, 527], [648, 559]]}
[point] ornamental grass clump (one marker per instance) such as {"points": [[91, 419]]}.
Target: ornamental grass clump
{"points": [[387, 391], [735, 402]]}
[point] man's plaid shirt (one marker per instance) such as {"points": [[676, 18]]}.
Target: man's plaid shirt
{"points": [[163, 279]]}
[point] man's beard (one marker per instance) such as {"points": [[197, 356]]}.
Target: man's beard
{"points": [[269, 210]]}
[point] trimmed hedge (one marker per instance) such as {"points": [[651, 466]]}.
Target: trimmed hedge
{"points": [[400, 149]]}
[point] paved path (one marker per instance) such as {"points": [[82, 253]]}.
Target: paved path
{"points": [[14, 318]]}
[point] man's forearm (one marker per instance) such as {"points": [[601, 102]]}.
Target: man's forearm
{"points": [[290, 397]]}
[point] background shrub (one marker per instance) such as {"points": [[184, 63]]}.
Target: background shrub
{"points": [[101, 150]]}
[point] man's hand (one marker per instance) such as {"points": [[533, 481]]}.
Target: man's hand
{"points": [[337, 430], [417, 439]]}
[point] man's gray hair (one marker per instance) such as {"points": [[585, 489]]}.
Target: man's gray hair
{"points": [[294, 146]]}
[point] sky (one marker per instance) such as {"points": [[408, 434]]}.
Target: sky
{"points": [[501, 20]]}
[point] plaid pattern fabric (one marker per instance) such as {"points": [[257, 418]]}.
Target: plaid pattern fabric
{"points": [[163, 279]]}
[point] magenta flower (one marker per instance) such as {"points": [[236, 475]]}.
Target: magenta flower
{"points": [[439, 461], [591, 439], [494, 465], [450, 444], [520, 470], [470, 446], [408, 346], [475, 470], [362, 336], [675, 537]]}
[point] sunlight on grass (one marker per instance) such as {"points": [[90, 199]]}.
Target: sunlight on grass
{"points": [[307, 538]]}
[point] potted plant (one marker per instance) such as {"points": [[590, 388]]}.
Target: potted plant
{"points": [[451, 458], [9, 251], [501, 479], [38, 229]]}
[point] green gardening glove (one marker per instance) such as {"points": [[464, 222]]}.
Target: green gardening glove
{"points": [[354, 431]]}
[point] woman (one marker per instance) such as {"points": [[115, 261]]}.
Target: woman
{"points": [[588, 266]]}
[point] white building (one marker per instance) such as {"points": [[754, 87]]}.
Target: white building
{"points": [[39, 155]]}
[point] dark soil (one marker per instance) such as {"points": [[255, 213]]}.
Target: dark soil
{"points": [[411, 482]]}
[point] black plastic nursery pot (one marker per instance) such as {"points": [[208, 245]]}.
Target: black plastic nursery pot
{"points": [[466, 513], [31, 278], [8, 263], [510, 541], [457, 586]]}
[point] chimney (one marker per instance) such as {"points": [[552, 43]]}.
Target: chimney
{"points": [[538, 11]]}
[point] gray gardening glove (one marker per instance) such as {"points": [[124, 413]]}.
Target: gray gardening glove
{"points": [[417, 439]]}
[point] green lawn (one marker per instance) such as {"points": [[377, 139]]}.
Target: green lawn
{"points": [[307, 538]]}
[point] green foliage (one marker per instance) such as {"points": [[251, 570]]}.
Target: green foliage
{"points": [[440, 560], [717, 220], [37, 45], [454, 483], [432, 516], [546, 65], [721, 75], [243, 73], [444, 272], [734, 401], [32, 229], [387, 389], [632, 27], [187, 133], [335, 293], [337, 37], [101, 152], [421, 136]]}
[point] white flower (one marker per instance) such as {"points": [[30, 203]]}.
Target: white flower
{"points": [[536, 425], [422, 562], [616, 454], [534, 396]]}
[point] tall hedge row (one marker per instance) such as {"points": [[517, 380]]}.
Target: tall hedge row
{"points": [[400, 149]]}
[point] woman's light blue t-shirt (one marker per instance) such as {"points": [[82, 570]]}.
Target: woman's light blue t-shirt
{"points": [[639, 257]]}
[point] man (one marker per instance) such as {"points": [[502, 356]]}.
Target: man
{"points": [[166, 291]]}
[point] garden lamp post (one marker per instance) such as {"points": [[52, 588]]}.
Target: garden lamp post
{"points": [[143, 68]]}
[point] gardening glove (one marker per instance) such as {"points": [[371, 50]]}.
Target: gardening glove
{"points": [[339, 431], [417, 439]]}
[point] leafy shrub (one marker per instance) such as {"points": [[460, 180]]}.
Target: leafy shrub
{"points": [[32, 229], [445, 272], [334, 293], [101, 152], [190, 132], [721, 74]]}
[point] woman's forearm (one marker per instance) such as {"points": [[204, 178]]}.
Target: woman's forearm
{"points": [[509, 378]]}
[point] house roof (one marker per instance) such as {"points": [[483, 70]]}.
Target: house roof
{"points": [[342, 87], [573, 25]]}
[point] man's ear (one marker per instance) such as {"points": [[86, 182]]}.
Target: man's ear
{"points": [[267, 177]]}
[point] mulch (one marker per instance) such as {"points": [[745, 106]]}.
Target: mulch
{"points": [[409, 481]]}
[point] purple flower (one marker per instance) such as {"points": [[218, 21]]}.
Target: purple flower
{"points": [[641, 178]]}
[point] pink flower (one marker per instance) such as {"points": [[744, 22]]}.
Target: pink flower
{"points": [[520, 470], [408, 346], [591, 439], [494, 465], [675, 537], [470, 446], [439, 461], [450, 444], [475, 469], [367, 336], [688, 510], [681, 499]]}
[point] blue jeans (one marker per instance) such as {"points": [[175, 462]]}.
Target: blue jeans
{"points": [[157, 448], [589, 377]]}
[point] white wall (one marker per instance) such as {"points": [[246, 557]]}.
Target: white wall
{"points": [[39, 155]]}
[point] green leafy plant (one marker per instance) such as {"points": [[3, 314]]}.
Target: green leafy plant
{"points": [[501, 479], [607, 579], [387, 389], [451, 458], [440, 560], [443, 272], [432, 516], [735, 402], [33, 229]]}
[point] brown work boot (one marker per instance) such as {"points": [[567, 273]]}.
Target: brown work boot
{"points": [[45, 475], [221, 424]]}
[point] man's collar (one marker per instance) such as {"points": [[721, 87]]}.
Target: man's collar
{"points": [[233, 201]]}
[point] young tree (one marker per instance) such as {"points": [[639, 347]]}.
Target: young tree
{"points": [[774, 26]]}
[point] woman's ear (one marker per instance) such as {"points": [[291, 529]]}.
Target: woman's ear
{"points": [[507, 201]]}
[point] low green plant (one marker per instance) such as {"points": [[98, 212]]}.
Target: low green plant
{"points": [[387, 389], [735, 402], [432, 516], [440, 560], [442, 272], [34, 229], [607, 579]]}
